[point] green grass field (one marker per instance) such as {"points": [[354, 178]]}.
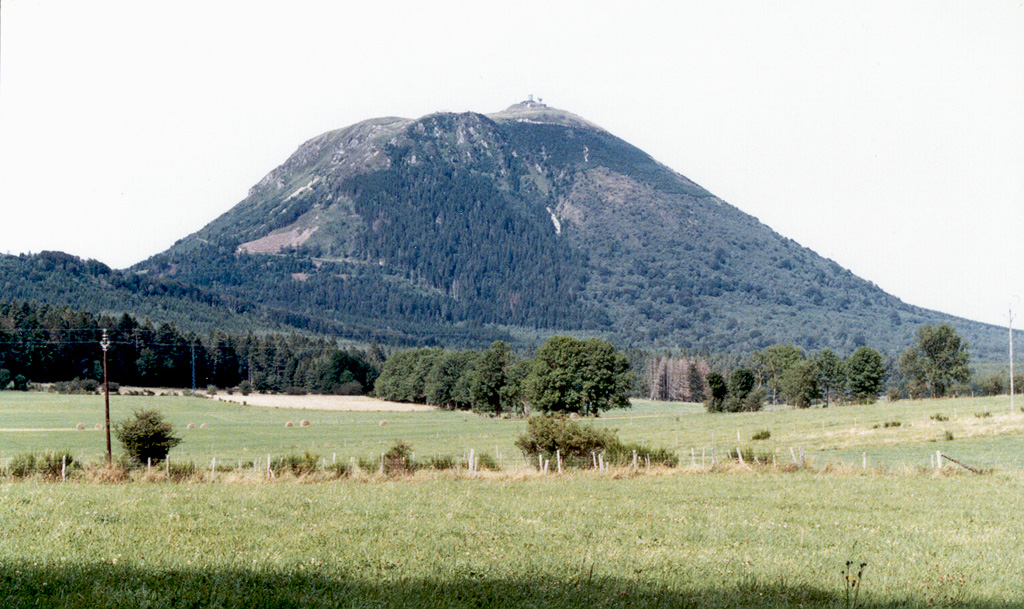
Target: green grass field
{"points": [[714, 540], [845, 434], [692, 537]]}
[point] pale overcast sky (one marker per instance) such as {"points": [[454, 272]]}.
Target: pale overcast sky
{"points": [[887, 136]]}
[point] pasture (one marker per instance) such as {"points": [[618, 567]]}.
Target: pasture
{"points": [[692, 537], [583, 540], [985, 434]]}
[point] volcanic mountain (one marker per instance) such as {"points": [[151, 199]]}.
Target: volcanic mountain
{"points": [[460, 228]]}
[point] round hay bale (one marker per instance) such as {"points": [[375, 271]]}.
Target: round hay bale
{"points": [[289, 424], [383, 423], [80, 426], [190, 426], [303, 423], [204, 426]]}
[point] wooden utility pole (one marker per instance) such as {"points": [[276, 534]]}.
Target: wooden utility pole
{"points": [[1011, 359], [105, 344]]}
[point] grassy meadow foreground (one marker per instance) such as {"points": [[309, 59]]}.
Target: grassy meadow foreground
{"points": [[688, 537], [716, 540]]}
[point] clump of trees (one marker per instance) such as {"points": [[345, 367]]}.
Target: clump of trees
{"points": [[47, 344], [785, 374], [935, 365], [566, 375]]}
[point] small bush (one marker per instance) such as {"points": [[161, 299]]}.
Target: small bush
{"points": [[22, 466], [622, 454], [546, 436], [889, 424], [146, 437], [949, 436], [764, 434], [488, 462], [938, 416], [398, 459], [983, 415], [340, 469], [441, 462], [179, 472], [296, 464], [75, 386]]}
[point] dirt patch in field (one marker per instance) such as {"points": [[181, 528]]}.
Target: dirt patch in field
{"points": [[357, 403]]}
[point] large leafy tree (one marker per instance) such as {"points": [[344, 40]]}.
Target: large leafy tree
{"points": [[772, 363], [719, 392], [937, 361], [489, 377], [831, 375], [799, 383], [865, 374], [573, 376]]}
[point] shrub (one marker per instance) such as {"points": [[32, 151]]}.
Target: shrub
{"points": [[22, 466], [487, 461], [340, 469], [76, 386], [297, 464], [398, 459], [441, 462], [48, 464], [146, 437], [938, 416], [20, 383], [547, 435], [764, 434], [179, 472], [621, 453]]}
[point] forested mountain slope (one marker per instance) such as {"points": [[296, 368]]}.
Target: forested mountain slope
{"points": [[458, 229], [537, 221]]}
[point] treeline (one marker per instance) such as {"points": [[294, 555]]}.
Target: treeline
{"points": [[936, 365], [45, 344], [565, 376]]}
